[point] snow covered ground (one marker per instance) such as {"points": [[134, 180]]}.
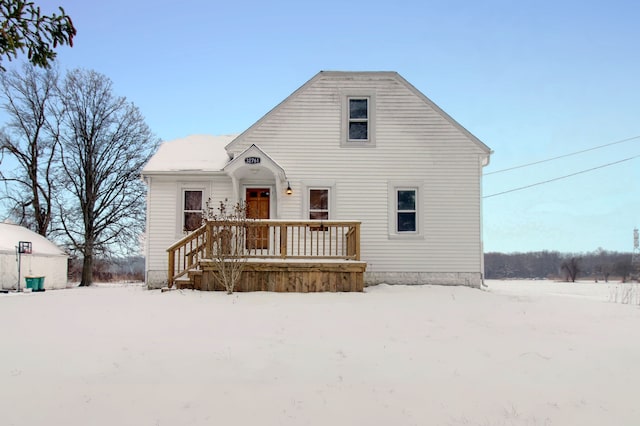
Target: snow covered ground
{"points": [[519, 353]]}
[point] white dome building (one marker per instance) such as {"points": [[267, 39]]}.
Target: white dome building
{"points": [[45, 260]]}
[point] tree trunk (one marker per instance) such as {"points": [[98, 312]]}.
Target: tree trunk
{"points": [[87, 271]]}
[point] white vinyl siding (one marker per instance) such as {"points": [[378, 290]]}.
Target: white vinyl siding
{"points": [[164, 215], [412, 143]]}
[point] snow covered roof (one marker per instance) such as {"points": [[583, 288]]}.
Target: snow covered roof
{"points": [[193, 153], [11, 234]]}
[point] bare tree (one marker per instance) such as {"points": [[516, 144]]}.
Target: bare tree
{"points": [[624, 269], [229, 235], [104, 143], [571, 267], [30, 139], [603, 270]]}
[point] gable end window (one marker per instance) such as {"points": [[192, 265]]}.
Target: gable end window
{"points": [[358, 119], [192, 209]]}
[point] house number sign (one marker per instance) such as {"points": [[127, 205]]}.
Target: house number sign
{"points": [[252, 160]]}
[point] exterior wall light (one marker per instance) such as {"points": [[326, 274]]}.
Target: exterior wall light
{"points": [[289, 190]]}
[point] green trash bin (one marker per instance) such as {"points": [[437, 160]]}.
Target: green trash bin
{"points": [[35, 283], [32, 282]]}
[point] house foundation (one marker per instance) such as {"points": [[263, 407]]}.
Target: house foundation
{"points": [[469, 279]]}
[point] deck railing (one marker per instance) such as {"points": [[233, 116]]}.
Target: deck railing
{"points": [[266, 239], [186, 253]]}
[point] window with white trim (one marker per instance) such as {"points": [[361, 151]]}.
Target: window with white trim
{"points": [[358, 119], [191, 209], [319, 203], [406, 210]]}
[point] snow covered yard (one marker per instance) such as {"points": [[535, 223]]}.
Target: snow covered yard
{"points": [[520, 353]]}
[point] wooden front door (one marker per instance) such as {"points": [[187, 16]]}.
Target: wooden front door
{"points": [[258, 208]]}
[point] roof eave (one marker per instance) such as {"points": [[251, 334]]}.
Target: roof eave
{"points": [[182, 172], [446, 116]]}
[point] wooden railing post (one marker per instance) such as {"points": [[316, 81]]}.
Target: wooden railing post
{"points": [[171, 269], [283, 241], [357, 236], [208, 238]]}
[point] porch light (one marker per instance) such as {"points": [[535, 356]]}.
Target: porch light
{"points": [[289, 190]]}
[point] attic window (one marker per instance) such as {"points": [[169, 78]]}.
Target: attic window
{"points": [[358, 119]]}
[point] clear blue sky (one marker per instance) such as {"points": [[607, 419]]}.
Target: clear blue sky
{"points": [[533, 80]]}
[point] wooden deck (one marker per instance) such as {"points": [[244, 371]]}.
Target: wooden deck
{"points": [[281, 256]]}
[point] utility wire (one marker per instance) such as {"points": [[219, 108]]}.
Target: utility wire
{"points": [[563, 156], [561, 177]]}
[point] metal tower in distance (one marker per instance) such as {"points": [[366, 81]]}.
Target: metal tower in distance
{"points": [[635, 257]]}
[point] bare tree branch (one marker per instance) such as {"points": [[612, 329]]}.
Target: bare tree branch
{"points": [[27, 138]]}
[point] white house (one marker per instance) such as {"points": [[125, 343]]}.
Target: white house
{"points": [[361, 146], [42, 258]]}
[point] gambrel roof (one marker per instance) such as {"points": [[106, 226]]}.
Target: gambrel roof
{"points": [[363, 74]]}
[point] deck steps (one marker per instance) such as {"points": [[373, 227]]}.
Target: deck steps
{"points": [[192, 280], [184, 283]]}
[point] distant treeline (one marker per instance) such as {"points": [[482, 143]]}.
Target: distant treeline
{"points": [[110, 269], [598, 265], [601, 265]]}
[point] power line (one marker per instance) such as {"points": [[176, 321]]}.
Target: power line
{"points": [[561, 177], [563, 156]]}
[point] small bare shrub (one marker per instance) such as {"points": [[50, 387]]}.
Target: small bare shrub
{"points": [[625, 293], [229, 231]]}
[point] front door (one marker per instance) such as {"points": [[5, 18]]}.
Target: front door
{"points": [[258, 208]]}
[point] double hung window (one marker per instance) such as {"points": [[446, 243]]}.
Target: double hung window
{"points": [[406, 213], [358, 119], [319, 204], [192, 209], [406, 210]]}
